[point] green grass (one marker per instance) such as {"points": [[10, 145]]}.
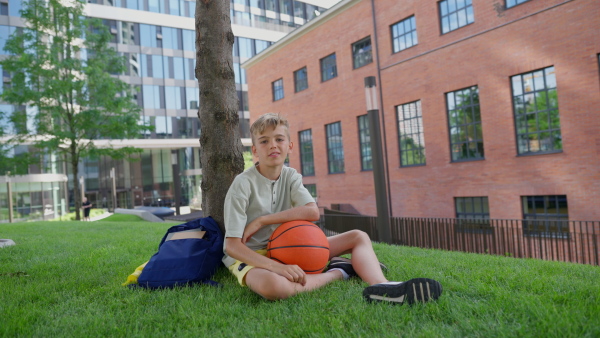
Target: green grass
{"points": [[123, 218], [71, 216], [64, 279]]}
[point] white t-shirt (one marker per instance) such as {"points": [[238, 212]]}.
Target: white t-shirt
{"points": [[252, 195]]}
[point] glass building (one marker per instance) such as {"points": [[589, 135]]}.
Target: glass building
{"points": [[158, 40]]}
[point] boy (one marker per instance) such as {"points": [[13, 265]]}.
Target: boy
{"points": [[269, 194]]}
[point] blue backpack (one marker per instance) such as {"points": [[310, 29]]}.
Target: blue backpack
{"points": [[183, 257]]}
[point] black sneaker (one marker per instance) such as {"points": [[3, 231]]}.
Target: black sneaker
{"points": [[346, 265], [412, 291]]}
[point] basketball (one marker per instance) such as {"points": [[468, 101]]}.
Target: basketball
{"points": [[299, 243]]}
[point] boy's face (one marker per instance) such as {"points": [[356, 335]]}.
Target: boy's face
{"points": [[272, 146]]}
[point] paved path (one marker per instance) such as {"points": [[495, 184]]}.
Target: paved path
{"points": [[99, 217]]}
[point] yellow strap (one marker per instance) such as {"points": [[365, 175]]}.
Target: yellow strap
{"points": [[132, 279]]}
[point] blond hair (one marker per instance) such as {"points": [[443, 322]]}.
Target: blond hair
{"points": [[268, 120]]}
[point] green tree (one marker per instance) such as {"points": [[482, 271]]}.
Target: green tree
{"points": [[64, 86]]}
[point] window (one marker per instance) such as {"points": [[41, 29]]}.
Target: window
{"points": [[189, 69], [335, 148], [404, 34], [311, 12], [245, 47], [178, 68], [535, 105], [5, 33], [307, 162], [300, 80], [299, 9], [361, 52], [171, 38], [473, 214], [14, 7], [286, 7], [455, 14], [148, 34], [328, 68], [257, 3], [175, 8], [168, 67], [464, 116], [157, 66], [152, 96], [545, 216], [411, 138], [155, 6], [512, 3], [174, 97], [364, 138], [312, 189], [189, 40], [164, 127], [271, 5], [277, 90], [192, 97], [261, 45]]}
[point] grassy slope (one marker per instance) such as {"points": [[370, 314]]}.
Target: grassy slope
{"points": [[64, 279]]}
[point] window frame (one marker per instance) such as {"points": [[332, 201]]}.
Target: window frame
{"points": [[472, 222], [516, 3], [455, 11], [545, 220], [304, 81], [364, 143], [276, 90], [333, 163], [413, 34], [421, 134], [471, 107], [516, 120], [323, 79], [304, 155], [357, 55]]}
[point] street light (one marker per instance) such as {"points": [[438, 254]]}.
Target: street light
{"points": [[113, 177], [381, 191], [9, 195], [176, 182]]}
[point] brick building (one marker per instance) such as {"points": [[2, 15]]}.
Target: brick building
{"points": [[489, 108]]}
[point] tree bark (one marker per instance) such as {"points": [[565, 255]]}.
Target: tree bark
{"points": [[221, 148]]}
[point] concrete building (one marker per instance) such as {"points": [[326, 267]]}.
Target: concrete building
{"points": [[158, 39], [488, 108]]}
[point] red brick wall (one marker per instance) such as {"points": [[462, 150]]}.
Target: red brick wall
{"points": [[499, 44]]}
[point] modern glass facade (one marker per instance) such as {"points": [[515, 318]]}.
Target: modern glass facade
{"points": [[34, 197], [159, 44]]}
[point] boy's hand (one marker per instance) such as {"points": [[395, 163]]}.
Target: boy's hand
{"points": [[251, 229], [292, 272]]}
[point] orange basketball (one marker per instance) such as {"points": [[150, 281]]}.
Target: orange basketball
{"points": [[299, 243]]}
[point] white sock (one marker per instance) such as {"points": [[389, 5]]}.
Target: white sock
{"points": [[344, 273], [391, 283]]}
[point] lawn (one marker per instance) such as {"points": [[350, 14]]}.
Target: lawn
{"points": [[64, 279]]}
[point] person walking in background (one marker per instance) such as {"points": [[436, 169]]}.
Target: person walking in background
{"points": [[86, 206]]}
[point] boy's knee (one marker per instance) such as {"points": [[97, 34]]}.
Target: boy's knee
{"points": [[359, 236], [271, 287]]}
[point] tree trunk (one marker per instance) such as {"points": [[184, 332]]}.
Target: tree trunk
{"points": [[221, 148], [76, 188]]}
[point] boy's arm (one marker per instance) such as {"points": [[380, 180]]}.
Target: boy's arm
{"points": [[238, 250], [308, 212]]}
